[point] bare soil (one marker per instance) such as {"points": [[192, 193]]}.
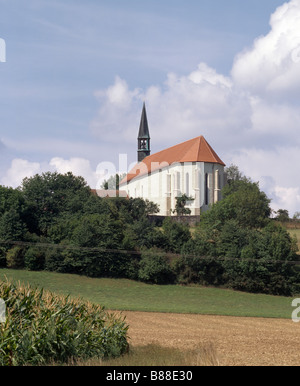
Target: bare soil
{"points": [[237, 341]]}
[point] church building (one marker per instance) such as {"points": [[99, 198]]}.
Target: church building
{"points": [[192, 168]]}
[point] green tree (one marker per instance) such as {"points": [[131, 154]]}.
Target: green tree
{"points": [[113, 182], [12, 228], [244, 202], [176, 235], [51, 194], [181, 202], [234, 174], [11, 199], [95, 230], [296, 216], [282, 215], [142, 234], [232, 239]]}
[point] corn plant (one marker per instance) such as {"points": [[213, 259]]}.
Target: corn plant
{"points": [[42, 327]]}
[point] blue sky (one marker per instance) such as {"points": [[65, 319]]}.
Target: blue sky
{"points": [[77, 72]]}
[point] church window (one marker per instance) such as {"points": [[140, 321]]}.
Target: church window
{"points": [[169, 183], [178, 180], [206, 189], [187, 184]]}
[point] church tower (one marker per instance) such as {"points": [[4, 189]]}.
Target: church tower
{"points": [[143, 137]]}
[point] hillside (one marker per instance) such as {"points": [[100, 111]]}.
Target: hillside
{"points": [[196, 323], [123, 294]]}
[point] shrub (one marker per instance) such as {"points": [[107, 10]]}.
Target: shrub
{"points": [[42, 327], [54, 260], [15, 257], [34, 259], [199, 270], [155, 268]]}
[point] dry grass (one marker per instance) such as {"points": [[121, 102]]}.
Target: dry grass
{"points": [[218, 340], [155, 355]]}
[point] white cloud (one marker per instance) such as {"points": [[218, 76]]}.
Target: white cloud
{"points": [[272, 65], [78, 166], [18, 170], [115, 115], [203, 102], [205, 74], [274, 123], [287, 198], [251, 118], [276, 170]]}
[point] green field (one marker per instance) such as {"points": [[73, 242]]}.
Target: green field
{"points": [[123, 294]]}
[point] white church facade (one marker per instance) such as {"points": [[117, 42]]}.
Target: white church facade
{"points": [[191, 168]]}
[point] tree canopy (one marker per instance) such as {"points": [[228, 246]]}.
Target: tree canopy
{"points": [[242, 201], [55, 222]]}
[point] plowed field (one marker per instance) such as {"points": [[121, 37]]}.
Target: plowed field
{"points": [[238, 341]]}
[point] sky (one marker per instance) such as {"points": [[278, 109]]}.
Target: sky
{"points": [[74, 75]]}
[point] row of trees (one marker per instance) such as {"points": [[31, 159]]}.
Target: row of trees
{"points": [[283, 215], [65, 224], [54, 222]]}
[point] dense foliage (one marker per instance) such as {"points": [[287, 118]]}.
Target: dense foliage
{"points": [[238, 246], [42, 328], [54, 222]]}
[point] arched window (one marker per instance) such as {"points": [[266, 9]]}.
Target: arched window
{"points": [[206, 189], [187, 184]]}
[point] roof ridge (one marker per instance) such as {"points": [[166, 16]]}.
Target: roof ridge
{"points": [[182, 152], [172, 147], [199, 146], [212, 152]]}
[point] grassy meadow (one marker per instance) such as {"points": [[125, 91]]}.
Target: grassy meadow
{"points": [[123, 294]]}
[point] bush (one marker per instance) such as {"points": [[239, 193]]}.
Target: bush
{"points": [[43, 328], [54, 260], [15, 258], [201, 270], [264, 275], [92, 262], [155, 268], [34, 259]]}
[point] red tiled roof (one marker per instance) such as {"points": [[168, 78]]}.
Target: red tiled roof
{"points": [[194, 150]]}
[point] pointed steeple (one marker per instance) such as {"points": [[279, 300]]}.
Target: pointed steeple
{"points": [[143, 137], [144, 129]]}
